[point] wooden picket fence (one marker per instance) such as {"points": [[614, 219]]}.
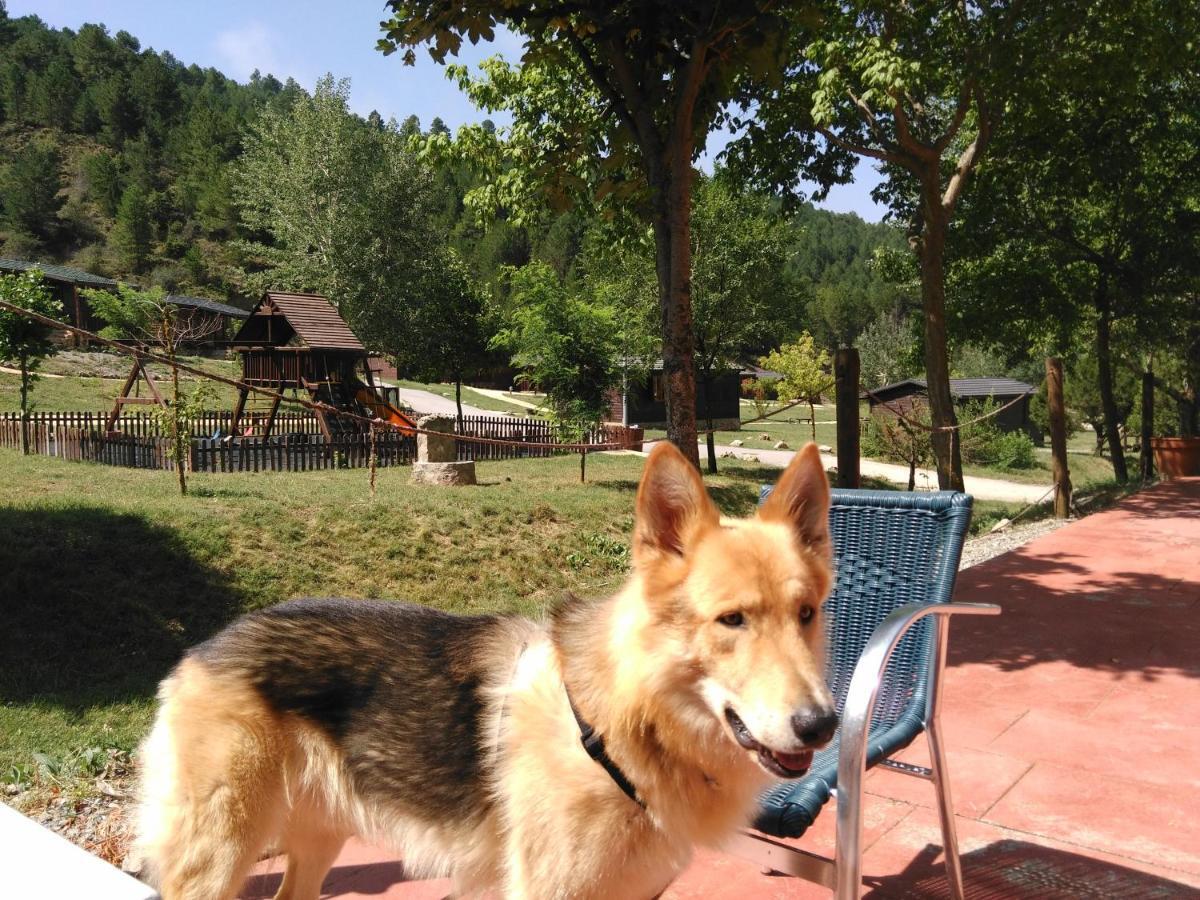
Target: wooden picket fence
{"points": [[80, 437], [144, 424], [301, 452], [532, 431]]}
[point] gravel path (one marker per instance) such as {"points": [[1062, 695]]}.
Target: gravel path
{"points": [[986, 546]]}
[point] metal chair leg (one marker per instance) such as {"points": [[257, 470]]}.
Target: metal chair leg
{"points": [[941, 784], [938, 768], [847, 879]]}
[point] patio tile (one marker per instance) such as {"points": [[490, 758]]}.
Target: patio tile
{"points": [[1106, 747], [1154, 823], [977, 778]]}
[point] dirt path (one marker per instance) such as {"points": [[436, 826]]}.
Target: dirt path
{"points": [[980, 488]]}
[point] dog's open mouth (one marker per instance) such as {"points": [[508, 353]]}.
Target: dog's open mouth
{"points": [[785, 765]]}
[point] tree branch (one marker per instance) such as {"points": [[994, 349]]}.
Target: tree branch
{"points": [[884, 155], [598, 75]]}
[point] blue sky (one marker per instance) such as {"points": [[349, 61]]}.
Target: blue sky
{"points": [[304, 39]]}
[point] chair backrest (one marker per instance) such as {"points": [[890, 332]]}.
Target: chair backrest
{"points": [[891, 548]]}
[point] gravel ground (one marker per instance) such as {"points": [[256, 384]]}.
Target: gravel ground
{"points": [[95, 816], [100, 820], [985, 546]]}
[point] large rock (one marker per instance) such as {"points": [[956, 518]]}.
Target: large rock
{"points": [[444, 473]]}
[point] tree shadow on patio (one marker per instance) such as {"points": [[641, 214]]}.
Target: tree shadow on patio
{"points": [[98, 606], [1018, 870], [1116, 593]]}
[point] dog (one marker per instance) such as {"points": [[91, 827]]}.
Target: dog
{"points": [[583, 757]]}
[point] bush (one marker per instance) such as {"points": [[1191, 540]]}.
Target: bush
{"points": [[1007, 450], [985, 443]]}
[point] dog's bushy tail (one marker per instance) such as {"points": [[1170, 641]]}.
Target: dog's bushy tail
{"points": [[210, 790]]}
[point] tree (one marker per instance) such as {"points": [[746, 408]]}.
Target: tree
{"points": [[103, 176], [29, 189], [561, 342], [132, 232], [885, 349], [740, 297], [922, 90], [1084, 223], [336, 207], [23, 340], [442, 336], [150, 318], [613, 99], [805, 371]]}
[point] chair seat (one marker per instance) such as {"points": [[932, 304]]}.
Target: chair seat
{"points": [[788, 809]]}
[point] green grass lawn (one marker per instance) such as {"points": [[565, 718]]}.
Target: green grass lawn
{"points": [[791, 427], [469, 397], [108, 575], [90, 393]]}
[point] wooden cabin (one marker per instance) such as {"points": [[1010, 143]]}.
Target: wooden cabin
{"points": [[911, 395], [644, 401]]}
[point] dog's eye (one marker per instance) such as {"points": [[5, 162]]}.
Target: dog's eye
{"points": [[732, 620], [806, 614]]}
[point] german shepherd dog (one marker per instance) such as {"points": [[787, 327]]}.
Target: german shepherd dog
{"points": [[457, 740]]}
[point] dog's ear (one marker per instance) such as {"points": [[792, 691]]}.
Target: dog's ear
{"points": [[801, 499], [672, 505]]}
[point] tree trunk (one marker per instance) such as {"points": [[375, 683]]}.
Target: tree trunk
{"points": [[25, 405], [673, 256], [1147, 456], [1108, 400], [177, 430], [458, 400], [1058, 437], [710, 438], [931, 249]]}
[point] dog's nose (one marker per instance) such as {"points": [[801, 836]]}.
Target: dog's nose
{"points": [[815, 727]]}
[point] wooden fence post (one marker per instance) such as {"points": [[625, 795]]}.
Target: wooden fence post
{"points": [[1147, 459], [845, 374], [1058, 437]]}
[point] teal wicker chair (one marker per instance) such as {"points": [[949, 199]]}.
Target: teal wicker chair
{"points": [[896, 555]]}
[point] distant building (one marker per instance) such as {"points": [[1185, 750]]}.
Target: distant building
{"points": [[644, 402], [912, 395], [67, 283]]}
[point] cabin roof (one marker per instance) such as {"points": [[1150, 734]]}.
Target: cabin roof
{"points": [[212, 306], [960, 388], [54, 272]]}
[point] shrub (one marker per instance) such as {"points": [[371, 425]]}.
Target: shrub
{"points": [[985, 443]]}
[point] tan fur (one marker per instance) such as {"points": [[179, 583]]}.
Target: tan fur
{"points": [[225, 776]]}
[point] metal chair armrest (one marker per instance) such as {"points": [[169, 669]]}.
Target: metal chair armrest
{"points": [[860, 704]]}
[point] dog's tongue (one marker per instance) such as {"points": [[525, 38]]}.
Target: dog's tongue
{"points": [[796, 762]]}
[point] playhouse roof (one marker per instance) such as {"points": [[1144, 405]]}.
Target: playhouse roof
{"points": [[312, 317]]}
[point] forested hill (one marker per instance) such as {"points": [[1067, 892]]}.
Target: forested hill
{"points": [[118, 159]]}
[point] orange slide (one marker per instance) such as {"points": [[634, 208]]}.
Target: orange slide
{"points": [[385, 410]]}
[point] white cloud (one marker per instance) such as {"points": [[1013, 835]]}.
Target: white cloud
{"points": [[249, 47]]}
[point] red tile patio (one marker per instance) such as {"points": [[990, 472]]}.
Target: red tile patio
{"points": [[1074, 729]]}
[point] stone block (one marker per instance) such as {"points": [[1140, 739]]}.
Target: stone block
{"points": [[434, 448], [444, 473]]}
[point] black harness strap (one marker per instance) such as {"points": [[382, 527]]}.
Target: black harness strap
{"points": [[593, 743]]}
